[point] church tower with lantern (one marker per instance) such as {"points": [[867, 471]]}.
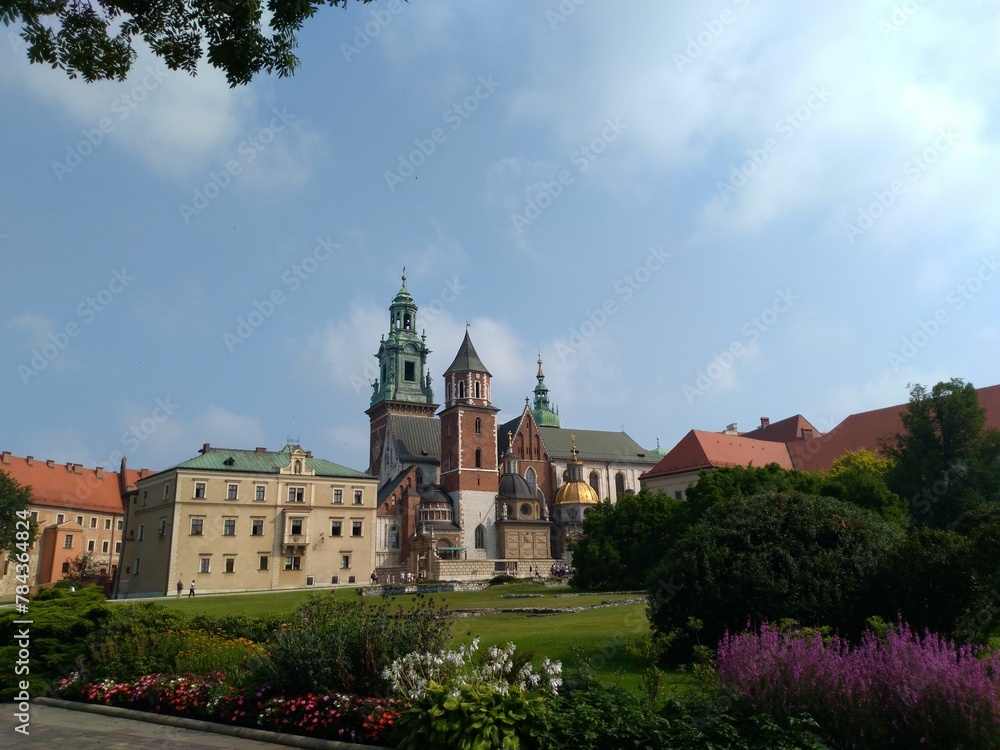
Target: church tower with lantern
{"points": [[403, 385]]}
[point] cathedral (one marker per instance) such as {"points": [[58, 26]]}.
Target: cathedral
{"points": [[461, 497]]}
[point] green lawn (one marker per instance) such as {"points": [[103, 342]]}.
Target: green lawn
{"points": [[599, 637]]}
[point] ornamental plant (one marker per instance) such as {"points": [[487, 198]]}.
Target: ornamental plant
{"points": [[901, 691], [459, 699]]}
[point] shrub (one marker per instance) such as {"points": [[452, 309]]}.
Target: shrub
{"points": [[202, 653], [62, 620], [459, 699], [345, 645], [771, 557], [502, 579], [903, 691], [136, 639], [258, 629]]}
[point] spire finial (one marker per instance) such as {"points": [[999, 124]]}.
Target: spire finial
{"points": [[466, 326], [572, 438], [404, 277]]}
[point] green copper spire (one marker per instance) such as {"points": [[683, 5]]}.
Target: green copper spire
{"points": [[545, 415], [402, 355]]}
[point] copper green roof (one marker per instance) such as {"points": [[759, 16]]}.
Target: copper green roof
{"points": [[263, 462], [418, 439], [594, 445], [467, 359]]}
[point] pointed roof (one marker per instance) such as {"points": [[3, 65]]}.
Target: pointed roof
{"points": [[467, 360], [418, 439], [708, 450], [784, 431]]}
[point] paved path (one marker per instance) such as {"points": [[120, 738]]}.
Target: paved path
{"points": [[52, 728]]}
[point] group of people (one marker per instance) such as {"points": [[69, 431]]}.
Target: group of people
{"points": [[561, 569], [180, 589], [405, 577]]}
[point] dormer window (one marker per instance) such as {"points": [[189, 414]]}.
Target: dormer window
{"points": [[230, 461]]}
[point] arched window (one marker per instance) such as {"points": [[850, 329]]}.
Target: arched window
{"points": [[479, 426], [619, 484], [406, 322], [393, 538], [420, 476], [530, 478], [461, 389], [477, 390], [566, 475], [480, 537], [595, 482], [538, 447], [479, 458]]}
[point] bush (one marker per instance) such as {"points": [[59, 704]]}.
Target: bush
{"points": [[345, 645], [62, 621], [502, 579], [903, 691], [136, 639], [772, 557], [258, 629]]}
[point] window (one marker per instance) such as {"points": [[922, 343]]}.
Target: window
{"points": [[409, 372], [296, 494], [393, 541], [262, 564], [338, 497], [118, 548], [65, 567], [166, 491], [137, 562], [230, 564], [461, 389], [163, 527], [107, 524], [530, 478], [479, 458], [205, 565], [356, 528], [257, 527], [119, 525], [479, 426], [229, 527], [335, 528], [478, 392], [525, 510], [359, 497], [197, 526], [90, 545], [142, 528], [104, 546], [296, 526], [68, 542], [678, 495], [619, 484], [93, 522], [60, 518], [595, 482], [293, 563], [345, 562], [145, 497], [258, 493], [232, 493], [199, 489], [480, 537], [79, 520]]}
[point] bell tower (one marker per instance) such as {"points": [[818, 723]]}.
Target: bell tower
{"points": [[468, 425], [403, 385]]}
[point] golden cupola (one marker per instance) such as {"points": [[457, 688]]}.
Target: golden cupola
{"points": [[576, 491]]}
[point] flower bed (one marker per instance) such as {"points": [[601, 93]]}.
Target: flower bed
{"points": [[334, 716]]}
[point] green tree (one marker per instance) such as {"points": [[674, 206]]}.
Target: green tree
{"points": [[84, 568], [786, 555], [94, 40], [745, 481], [860, 477], [623, 542], [14, 501], [946, 459]]}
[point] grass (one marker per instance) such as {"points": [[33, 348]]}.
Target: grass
{"points": [[598, 637]]}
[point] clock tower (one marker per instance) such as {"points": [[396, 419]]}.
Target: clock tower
{"points": [[403, 385]]}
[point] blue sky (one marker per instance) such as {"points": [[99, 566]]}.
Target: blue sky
{"points": [[702, 213]]}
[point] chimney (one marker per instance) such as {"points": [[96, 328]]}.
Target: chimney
{"points": [[76, 468], [5, 458], [765, 422], [205, 448], [50, 463], [69, 466], [807, 434], [309, 454], [731, 429], [100, 472], [29, 460], [258, 449]]}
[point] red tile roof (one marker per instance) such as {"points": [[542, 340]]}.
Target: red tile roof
{"points": [[784, 431], [862, 431], [69, 485], [703, 450]]}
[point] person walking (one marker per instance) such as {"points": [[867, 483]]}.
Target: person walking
{"points": [[180, 587], [191, 590]]}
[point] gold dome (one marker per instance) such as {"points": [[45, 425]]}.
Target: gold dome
{"points": [[579, 493]]}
